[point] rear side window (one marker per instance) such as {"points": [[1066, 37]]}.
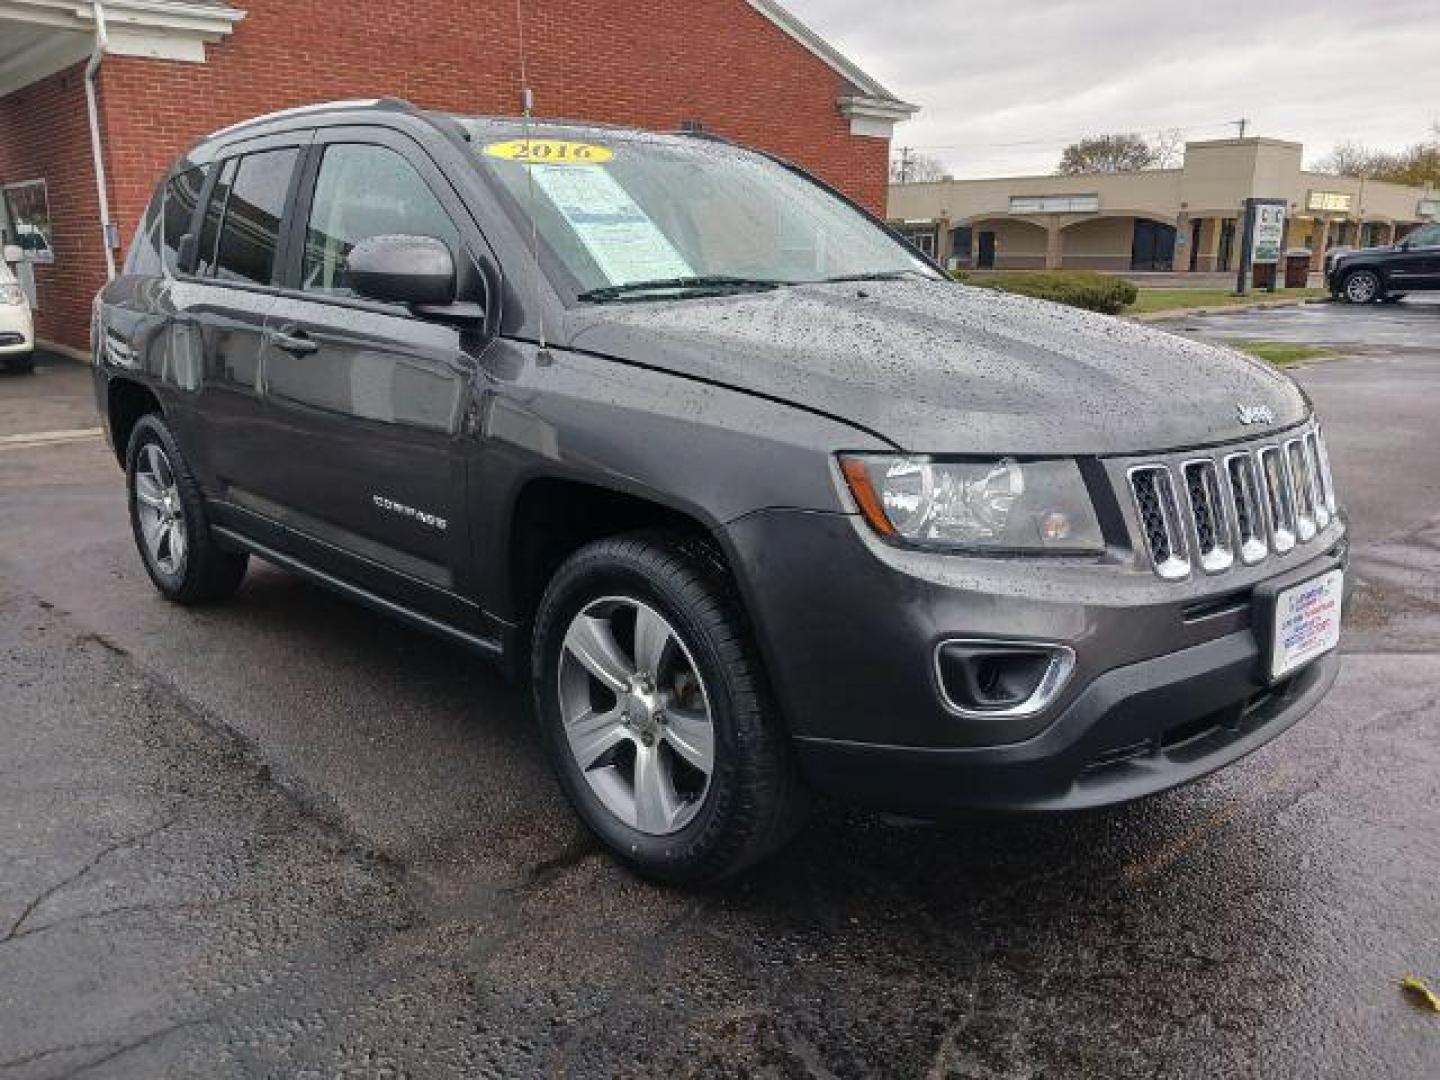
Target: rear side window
{"points": [[363, 191], [182, 195], [214, 211], [250, 229]]}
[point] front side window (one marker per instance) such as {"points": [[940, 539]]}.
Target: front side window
{"points": [[621, 208], [27, 205], [250, 229], [364, 191]]}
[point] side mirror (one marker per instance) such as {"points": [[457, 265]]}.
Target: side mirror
{"points": [[412, 270], [14, 253]]}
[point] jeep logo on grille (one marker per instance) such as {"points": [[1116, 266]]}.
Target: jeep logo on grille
{"points": [[1255, 414]]}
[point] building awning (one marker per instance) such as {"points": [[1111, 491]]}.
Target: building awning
{"points": [[41, 37]]}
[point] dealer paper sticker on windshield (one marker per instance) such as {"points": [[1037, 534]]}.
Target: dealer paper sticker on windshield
{"points": [[618, 234], [550, 152]]}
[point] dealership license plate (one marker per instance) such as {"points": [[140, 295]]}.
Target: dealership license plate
{"points": [[1307, 623]]}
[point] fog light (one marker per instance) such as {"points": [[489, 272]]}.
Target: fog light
{"points": [[1001, 679]]}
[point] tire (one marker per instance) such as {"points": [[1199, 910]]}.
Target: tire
{"points": [[169, 523], [21, 363], [1362, 287], [705, 670]]}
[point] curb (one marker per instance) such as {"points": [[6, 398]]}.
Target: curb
{"points": [[1221, 309]]}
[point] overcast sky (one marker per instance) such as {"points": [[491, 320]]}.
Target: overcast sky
{"points": [[989, 74]]}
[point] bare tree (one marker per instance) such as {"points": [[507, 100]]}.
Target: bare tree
{"points": [[1417, 164], [912, 167], [1169, 147], [1125, 152]]}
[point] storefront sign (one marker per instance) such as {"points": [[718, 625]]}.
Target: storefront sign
{"points": [[1333, 202], [1269, 233]]}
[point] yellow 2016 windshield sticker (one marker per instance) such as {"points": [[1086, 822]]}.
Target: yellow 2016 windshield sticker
{"points": [[549, 152]]}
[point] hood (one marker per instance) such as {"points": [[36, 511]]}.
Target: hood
{"points": [[935, 367]]}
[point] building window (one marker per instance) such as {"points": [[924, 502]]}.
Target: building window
{"points": [[922, 237], [27, 205], [1054, 204]]}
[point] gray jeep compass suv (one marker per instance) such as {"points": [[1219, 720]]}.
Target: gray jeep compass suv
{"points": [[756, 499]]}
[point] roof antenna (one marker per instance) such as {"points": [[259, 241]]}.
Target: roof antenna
{"points": [[527, 104]]}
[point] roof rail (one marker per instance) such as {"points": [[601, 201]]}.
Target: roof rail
{"points": [[383, 104]]}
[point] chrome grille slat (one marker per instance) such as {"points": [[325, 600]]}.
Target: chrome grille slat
{"points": [[1209, 516], [1302, 491], [1244, 484], [1243, 504], [1160, 519]]}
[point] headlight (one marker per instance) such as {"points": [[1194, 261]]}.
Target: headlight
{"points": [[11, 296], [1002, 505]]}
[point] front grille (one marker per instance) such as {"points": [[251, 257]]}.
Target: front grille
{"points": [[1243, 503]]}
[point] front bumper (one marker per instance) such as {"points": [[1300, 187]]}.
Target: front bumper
{"points": [[1168, 684]]}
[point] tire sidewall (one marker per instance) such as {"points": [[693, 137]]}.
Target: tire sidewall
{"points": [[575, 587]]}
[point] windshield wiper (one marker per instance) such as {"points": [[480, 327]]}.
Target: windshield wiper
{"points": [[874, 275], [708, 283]]}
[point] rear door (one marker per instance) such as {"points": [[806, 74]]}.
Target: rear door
{"points": [[364, 401], [221, 303]]}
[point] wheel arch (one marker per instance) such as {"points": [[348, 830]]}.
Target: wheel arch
{"points": [[126, 401]]}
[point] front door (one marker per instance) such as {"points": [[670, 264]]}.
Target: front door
{"points": [[985, 255], [1153, 248], [365, 401]]}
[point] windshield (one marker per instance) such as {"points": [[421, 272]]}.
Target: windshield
{"points": [[626, 215]]}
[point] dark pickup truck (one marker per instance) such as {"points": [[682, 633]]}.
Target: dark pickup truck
{"points": [[1364, 275]]}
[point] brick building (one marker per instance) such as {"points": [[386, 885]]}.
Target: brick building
{"points": [[165, 72]]}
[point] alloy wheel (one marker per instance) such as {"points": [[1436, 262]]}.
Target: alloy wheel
{"points": [[160, 511], [636, 715], [1361, 287]]}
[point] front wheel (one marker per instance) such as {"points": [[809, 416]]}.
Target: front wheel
{"points": [[167, 516], [655, 710], [1361, 286]]}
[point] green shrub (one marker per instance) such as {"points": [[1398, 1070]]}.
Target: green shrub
{"points": [[1077, 288]]}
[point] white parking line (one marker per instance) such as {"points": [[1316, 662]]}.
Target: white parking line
{"points": [[50, 438]]}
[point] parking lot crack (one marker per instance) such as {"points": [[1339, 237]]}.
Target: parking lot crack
{"points": [[17, 929]]}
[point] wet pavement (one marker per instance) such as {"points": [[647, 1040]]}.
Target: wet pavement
{"points": [[286, 837]]}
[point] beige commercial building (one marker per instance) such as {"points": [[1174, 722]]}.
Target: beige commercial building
{"points": [[1185, 219]]}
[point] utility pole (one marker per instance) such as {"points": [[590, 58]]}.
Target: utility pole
{"points": [[1241, 124], [904, 164]]}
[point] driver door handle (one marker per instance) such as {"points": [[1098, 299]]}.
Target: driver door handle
{"points": [[294, 341]]}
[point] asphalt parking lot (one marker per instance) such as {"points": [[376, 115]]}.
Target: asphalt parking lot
{"points": [[286, 837]]}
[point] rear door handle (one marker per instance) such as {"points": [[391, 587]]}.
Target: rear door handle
{"points": [[295, 341]]}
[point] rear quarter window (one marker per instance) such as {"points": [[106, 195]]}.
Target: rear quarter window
{"points": [[182, 196]]}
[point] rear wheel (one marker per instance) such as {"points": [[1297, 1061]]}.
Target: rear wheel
{"points": [[1361, 286], [167, 517], [655, 710]]}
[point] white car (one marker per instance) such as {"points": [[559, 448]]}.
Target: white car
{"points": [[17, 329]]}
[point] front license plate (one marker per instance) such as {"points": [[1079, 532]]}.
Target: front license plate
{"points": [[1307, 623]]}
